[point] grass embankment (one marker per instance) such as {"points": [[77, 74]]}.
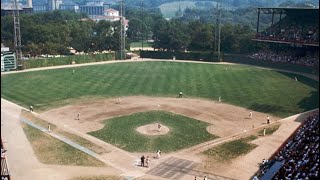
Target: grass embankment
{"points": [[184, 132], [77, 139], [249, 87], [52, 151], [232, 149]]}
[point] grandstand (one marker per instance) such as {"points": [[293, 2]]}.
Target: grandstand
{"points": [[298, 157], [5, 175], [296, 26], [294, 38]]}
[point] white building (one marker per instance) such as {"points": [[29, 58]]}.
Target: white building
{"points": [[111, 13]]}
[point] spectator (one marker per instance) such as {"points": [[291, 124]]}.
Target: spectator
{"points": [[300, 155]]}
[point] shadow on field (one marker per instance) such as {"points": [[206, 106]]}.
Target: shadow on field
{"points": [[302, 79], [302, 117], [267, 108], [312, 101]]}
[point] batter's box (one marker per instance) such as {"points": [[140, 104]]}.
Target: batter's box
{"points": [[173, 168]]}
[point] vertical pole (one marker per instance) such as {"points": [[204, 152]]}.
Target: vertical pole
{"points": [[280, 20], [17, 34], [122, 31], [142, 25], [216, 33], [272, 17], [258, 21], [219, 31]]}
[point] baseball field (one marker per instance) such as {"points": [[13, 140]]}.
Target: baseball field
{"points": [[122, 104]]}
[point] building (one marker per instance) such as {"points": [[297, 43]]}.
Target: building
{"points": [[7, 8], [94, 8], [111, 12], [40, 7], [69, 6], [109, 15]]}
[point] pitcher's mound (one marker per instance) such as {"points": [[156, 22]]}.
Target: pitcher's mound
{"points": [[152, 130]]}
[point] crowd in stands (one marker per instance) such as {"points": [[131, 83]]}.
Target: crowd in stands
{"points": [[286, 58], [292, 30], [5, 174], [300, 156]]}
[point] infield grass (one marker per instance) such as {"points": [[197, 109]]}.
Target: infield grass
{"points": [[257, 89], [184, 132]]}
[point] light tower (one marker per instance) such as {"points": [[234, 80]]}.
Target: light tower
{"points": [[142, 24], [17, 34], [218, 30], [122, 31]]}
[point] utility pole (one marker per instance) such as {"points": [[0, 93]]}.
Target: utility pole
{"points": [[216, 31], [142, 24], [17, 34], [122, 31], [219, 29]]}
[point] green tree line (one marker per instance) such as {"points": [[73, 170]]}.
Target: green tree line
{"points": [[54, 32]]}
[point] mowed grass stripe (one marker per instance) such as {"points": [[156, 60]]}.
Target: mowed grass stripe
{"points": [[262, 90]]}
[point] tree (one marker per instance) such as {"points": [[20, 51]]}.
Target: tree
{"points": [[201, 36], [135, 29]]}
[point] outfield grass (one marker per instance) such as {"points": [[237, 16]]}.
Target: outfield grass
{"points": [[232, 149], [257, 89], [52, 151], [184, 132]]}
